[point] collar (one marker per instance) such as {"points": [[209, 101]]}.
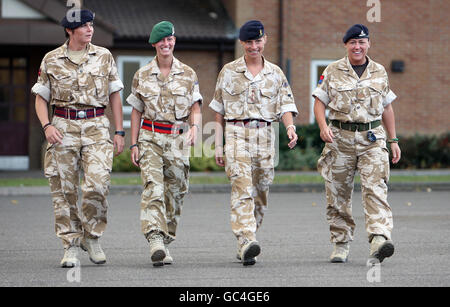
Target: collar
{"points": [[346, 66], [177, 67], [241, 66], [64, 50]]}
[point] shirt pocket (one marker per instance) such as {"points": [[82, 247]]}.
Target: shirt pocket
{"points": [[375, 101], [341, 97], [234, 101], [100, 80], [61, 85], [269, 106], [182, 101], [150, 98]]}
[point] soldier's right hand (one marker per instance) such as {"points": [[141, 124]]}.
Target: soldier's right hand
{"points": [[326, 135], [135, 155], [52, 135], [219, 156]]}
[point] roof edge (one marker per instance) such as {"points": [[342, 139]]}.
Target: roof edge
{"points": [[54, 9]]}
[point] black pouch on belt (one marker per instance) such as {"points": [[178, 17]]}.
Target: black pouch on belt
{"points": [[371, 136]]}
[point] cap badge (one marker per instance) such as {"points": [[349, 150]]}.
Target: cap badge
{"points": [[362, 33]]}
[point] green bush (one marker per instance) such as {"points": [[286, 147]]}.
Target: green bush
{"points": [[298, 159], [418, 152], [425, 151], [305, 155], [203, 163], [122, 163]]}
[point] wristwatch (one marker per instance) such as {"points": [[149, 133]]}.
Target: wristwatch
{"points": [[121, 133]]}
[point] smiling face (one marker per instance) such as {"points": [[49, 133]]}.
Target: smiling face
{"points": [[83, 34], [254, 48], [357, 50], [165, 46]]}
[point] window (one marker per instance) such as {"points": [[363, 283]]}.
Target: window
{"points": [[14, 112], [127, 66], [13, 90], [317, 68]]}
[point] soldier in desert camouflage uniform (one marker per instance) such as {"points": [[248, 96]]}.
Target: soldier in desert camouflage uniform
{"points": [[356, 91], [79, 80], [251, 93], [165, 93]]}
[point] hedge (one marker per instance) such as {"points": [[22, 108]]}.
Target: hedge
{"points": [[418, 152]]}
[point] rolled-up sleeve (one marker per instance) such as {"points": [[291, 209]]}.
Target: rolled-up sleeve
{"points": [[321, 95], [196, 96], [390, 97], [216, 106], [135, 103], [42, 86], [115, 84], [41, 90]]}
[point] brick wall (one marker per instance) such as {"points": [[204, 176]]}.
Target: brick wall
{"points": [[206, 65]]}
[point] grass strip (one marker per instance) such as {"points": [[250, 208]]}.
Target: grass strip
{"points": [[135, 179]]}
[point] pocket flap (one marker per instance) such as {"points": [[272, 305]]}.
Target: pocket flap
{"points": [[234, 90], [98, 73], [268, 93], [146, 92], [61, 76], [377, 88], [181, 91], [345, 88]]}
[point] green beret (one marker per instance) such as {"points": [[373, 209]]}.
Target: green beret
{"points": [[161, 30]]}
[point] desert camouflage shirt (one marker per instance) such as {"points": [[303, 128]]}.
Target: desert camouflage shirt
{"points": [[241, 96], [165, 99], [66, 84], [353, 99]]}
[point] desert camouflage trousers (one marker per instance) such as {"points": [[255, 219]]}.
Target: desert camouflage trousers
{"points": [[164, 163], [351, 152], [86, 149], [249, 164]]}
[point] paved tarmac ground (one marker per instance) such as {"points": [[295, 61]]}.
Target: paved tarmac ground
{"points": [[294, 240]]}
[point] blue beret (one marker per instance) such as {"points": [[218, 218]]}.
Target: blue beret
{"points": [[252, 29], [356, 31], [74, 22]]}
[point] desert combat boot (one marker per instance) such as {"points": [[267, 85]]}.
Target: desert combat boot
{"points": [[70, 258], [380, 248], [92, 246], [340, 252]]}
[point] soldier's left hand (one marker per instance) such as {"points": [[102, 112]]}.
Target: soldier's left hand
{"points": [[396, 152], [119, 144], [292, 137]]}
